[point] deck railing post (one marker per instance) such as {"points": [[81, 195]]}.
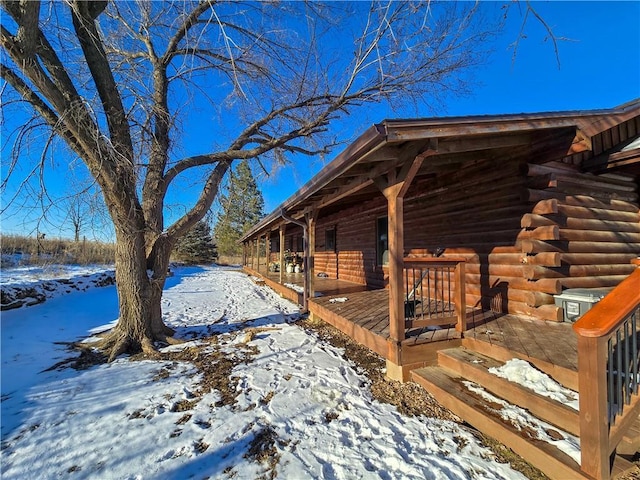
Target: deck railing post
{"points": [[396, 268], [594, 417], [460, 297]]}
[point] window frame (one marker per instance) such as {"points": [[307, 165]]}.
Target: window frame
{"points": [[330, 239], [382, 240]]}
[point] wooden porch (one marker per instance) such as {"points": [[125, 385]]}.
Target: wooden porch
{"points": [[364, 315]]}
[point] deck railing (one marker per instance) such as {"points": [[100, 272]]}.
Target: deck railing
{"points": [[608, 381], [434, 292]]}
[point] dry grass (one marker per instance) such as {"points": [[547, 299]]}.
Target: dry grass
{"points": [[33, 251]]}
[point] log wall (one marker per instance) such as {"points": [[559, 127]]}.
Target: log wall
{"points": [[527, 230], [596, 224], [475, 213], [354, 257]]}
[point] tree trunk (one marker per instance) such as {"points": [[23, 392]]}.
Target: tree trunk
{"points": [[133, 331], [140, 280], [158, 263]]}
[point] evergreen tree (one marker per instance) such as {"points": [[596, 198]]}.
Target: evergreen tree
{"points": [[196, 246], [242, 207]]}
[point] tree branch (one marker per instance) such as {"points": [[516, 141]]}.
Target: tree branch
{"points": [[83, 14]]}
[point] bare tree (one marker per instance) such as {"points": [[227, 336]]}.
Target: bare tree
{"points": [[118, 81]]}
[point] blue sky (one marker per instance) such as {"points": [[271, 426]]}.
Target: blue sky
{"points": [[599, 68]]}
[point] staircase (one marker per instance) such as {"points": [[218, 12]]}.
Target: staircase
{"points": [[484, 402]]}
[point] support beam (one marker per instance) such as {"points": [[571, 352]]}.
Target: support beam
{"points": [[267, 251], [394, 187], [258, 254], [281, 231], [311, 218]]}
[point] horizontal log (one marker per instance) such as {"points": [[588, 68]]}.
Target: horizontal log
{"points": [[549, 232], [471, 249], [533, 299], [570, 188], [598, 213], [537, 246], [550, 313], [534, 272], [546, 259], [494, 258], [590, 202], [514, 270], [592, 282], [542, 182], [448, 205], [534, 195], [584, 182], [531, 220], [597, 258], [546, 207], [547, 312], [597, 236], [427, 229], [502, 236], [545, 285], [458, 215], [534, 169], [579, 200]]}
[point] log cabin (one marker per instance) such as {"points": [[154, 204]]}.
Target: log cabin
{"points": [[449, 245]]}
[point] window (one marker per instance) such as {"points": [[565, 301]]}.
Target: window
{"points": [[299, 242], [330, 240], [382, 243]]}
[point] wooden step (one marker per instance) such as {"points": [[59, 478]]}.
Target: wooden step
{"points": [[475, 367], [630, 443], [623, 467], [565, 376], [447, 387]]}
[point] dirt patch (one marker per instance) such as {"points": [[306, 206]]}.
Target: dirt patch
{"points": [[409, 398], [262, 449], [88, 358], [213, 364]]}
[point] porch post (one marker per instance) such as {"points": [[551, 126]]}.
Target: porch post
{"points": [[258, 254], [253, 252], [394, 187], [594, 419], [395, 212], [309, 254], [267, 251], [281, 232]]}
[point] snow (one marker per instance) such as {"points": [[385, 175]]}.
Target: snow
{"points": [[523, 373], [522, 419], [294, 287], [120, 420], [338, 300], [30, 274]]}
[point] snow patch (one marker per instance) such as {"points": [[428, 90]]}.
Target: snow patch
{"points": [[525, 374]]}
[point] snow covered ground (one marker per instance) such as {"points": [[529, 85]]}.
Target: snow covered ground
{"points": [[296, 408]]}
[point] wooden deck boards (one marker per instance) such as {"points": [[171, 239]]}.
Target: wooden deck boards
{"points": [[551, 343]]}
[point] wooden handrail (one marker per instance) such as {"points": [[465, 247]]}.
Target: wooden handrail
{"points": [[432, 261], [458, 268], [605, 315], [599, 371]]}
